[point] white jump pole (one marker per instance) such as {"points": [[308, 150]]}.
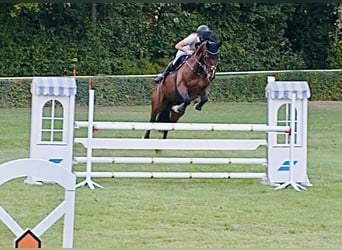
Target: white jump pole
{"points": [[88, 181], [173, 175], [172, 160], [291, 181], [182, 126]]}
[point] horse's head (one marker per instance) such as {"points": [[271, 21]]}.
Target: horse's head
{"points": [[212, 50], [208, 53]]}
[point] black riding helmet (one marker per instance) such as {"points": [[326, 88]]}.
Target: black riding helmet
{"points": [[202, 29]]}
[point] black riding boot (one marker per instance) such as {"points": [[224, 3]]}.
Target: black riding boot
{"points": [[160, 78]]}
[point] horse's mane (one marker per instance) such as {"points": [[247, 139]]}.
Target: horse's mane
{"points": [[200, 48]]}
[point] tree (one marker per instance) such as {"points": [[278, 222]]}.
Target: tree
{"points": [[335, 50], [139, 38], [308, 31]]}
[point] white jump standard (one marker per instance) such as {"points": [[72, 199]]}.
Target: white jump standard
{"points": [[287, 103], [52, 121]]}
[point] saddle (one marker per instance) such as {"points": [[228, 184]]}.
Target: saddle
{"points": [[180, 62]]}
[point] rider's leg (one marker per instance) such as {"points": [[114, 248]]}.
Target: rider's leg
{"points": [[171, 67], [167, 70]]}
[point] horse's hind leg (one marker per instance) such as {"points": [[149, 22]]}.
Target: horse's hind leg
{"points": [[156, 107], [165, 132], [154, 113], [174, 118], [147, 134], [164, 116]]}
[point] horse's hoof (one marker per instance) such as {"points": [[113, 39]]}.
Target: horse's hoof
{"points": [[197, 106]]}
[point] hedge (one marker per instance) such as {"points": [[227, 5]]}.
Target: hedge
{"points": [[115, 91]]}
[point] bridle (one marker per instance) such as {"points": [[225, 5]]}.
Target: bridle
{"points": [[206, 70], [209, 54]]}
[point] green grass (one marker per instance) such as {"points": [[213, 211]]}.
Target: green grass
{"points": [[188, 213]]}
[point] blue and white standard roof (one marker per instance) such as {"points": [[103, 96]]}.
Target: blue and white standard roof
{"points": [[53, 86], [284, 89]]}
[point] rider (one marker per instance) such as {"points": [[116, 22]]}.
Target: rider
{"points": [[185, 47]]}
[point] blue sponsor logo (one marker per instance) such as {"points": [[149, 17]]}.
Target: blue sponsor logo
{"points": [[286, 166], [57, 161]]}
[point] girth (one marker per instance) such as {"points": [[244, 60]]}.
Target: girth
{"points": [[178, 96]]}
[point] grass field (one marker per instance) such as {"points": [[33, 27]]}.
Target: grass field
{"points": [[188, 213]]}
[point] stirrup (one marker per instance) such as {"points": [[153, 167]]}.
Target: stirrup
{"points": [[158, 78]]}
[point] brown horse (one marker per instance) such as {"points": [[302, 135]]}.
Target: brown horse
{"points": [[191, 81]]}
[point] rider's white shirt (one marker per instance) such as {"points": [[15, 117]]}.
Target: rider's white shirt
{"points": [[190, 42]]}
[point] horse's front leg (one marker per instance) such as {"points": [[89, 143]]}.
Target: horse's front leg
{"points": [[203, 99], [181, 107]]}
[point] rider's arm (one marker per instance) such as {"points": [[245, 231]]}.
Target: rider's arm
{"points": [[184, 45], [181, 46]]}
